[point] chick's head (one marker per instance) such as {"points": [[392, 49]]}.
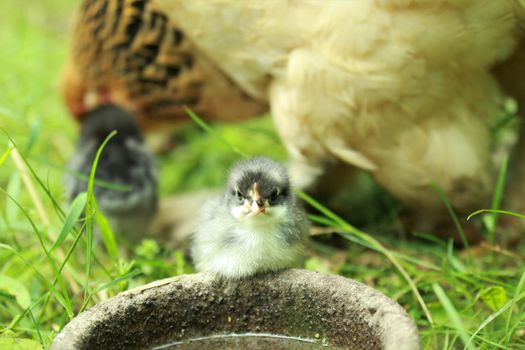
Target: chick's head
{"points": [[257, 189]]}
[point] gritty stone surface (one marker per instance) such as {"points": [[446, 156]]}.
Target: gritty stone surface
{"points": [[301, 303]]}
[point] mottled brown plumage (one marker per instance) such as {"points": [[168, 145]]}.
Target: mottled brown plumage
{"points": [[129, 52]]}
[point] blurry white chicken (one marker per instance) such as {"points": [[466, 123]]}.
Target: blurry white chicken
{"points": [[401, 88]]}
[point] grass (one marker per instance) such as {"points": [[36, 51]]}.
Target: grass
{"points": [[50, 270]]}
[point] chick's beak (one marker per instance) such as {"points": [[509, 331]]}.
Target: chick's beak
{"points": [[258, 204], [258, 207]]}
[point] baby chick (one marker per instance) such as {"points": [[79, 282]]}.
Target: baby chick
{"points": [[257, 225], [124, 162]]}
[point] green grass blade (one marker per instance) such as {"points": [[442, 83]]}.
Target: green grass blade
{"points": [[98, 182], [37, 327], [493, 344], [180, 262], [16, 320], [72, 248], [453, 315], [321, 220], [89, 256], [404, 257], [455, 220], [506, 212], [118, 280], [202, 124], [91, 208], [67, 257], [513, 301], [502, 122], [34, 132], [455, 262], [4, 155], [109, 284], [108, 236], [488, 320], [77, 208], [497, 199], [14, 188], [325, 211], [46, 190]]}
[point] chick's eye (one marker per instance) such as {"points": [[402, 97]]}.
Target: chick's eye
{"points": [[238, 194], [274, 195]]}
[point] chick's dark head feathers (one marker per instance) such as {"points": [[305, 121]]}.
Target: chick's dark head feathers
{"points": [[260, 182], [101, 121]]}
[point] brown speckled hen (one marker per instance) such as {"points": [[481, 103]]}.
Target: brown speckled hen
{"points": [[131, 53]]}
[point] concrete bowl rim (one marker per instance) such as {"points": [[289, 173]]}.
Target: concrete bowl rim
{"points": [[394, 315]]}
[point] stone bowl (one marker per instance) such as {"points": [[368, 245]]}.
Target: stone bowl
{"points": [[333, 311]]}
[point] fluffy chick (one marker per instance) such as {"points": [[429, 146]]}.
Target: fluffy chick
{"points": [[257, 225], [125, 161]]}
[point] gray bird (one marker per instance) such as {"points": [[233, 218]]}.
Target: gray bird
{"points": [[125, 161], [257, 225]]}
